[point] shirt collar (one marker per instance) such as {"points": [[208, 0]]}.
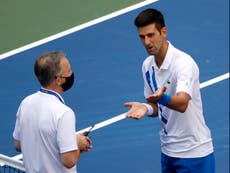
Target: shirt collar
{"points": [[167, 59], [51, 92]]}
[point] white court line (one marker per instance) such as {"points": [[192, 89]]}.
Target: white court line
{"points": [[77, 28], [104, 123], [215, 80], [122, 116]]}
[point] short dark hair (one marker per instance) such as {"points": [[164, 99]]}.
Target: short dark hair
{"points": [[150, 16], [47, 67]]}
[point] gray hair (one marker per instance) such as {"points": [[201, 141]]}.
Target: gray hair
{"points": [[47, 67]]}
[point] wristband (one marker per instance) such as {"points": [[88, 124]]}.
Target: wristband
{"points": [[165, 99], [149, 107]]}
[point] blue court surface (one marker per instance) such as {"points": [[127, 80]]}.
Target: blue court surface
{"points": [[107, 58]]}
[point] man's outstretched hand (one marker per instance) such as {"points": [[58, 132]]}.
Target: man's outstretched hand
{"points": [[137, 110]]}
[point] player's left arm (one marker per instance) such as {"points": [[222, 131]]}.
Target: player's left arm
{"points": [[17, 145], [178, 102]]}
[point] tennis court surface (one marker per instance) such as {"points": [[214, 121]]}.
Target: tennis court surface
{"points": [[106, 56]]}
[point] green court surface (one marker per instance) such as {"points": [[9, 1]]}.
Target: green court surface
{"points": [[26, 21]]}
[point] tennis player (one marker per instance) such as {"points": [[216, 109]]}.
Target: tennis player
{"points": [[45, 125], [172, 92]]}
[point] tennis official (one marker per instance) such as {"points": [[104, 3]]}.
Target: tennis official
{"points": [[45, 126], [172, 91]]}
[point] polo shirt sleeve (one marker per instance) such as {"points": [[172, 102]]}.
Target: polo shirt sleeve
{"points": [[66, 134], [187, 76]]}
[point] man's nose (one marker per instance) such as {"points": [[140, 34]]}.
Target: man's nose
{"points": [[147, 41]]}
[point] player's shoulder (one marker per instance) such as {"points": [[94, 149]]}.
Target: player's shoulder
{"points": [[148, 61], [182, 57]]}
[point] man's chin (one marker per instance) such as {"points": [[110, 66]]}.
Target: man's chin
{"points": [[151, 53]]}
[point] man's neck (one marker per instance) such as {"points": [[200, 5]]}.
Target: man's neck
{"points": [[53, 88], [159, 58]]}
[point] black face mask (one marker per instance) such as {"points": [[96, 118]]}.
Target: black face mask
{"points": [[68, 83]]}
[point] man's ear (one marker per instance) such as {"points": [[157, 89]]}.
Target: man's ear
{"points": [[164, 31], [58, 80]]}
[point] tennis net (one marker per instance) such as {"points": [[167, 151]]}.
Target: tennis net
{"points": [[10, 165]]}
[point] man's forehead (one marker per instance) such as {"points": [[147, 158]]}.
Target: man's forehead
{"points": [[147, 28], [65, 63]]}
